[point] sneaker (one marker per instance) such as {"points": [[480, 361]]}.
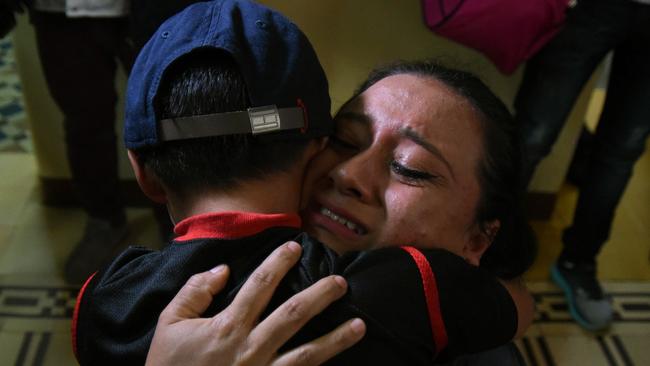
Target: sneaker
{"points": [[588, 305], [95, 248]]}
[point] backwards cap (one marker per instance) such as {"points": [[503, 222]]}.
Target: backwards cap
{"points": [[284, 79]]}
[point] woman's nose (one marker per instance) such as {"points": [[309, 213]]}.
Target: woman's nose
{"points": [[356, 177]]}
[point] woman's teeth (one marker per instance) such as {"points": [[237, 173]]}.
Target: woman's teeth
{"points": [[350, 225]]}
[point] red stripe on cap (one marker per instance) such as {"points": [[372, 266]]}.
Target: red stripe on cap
{"points": [[431, 296], [231, 225], [75, 315], [304, 114]]}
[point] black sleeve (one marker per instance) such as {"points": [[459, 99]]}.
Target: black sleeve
{"points": [[477, 310], [375, 295], [114, 321], [421, 304]]}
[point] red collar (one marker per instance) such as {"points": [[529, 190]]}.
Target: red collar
{"points": [[231, 225]]}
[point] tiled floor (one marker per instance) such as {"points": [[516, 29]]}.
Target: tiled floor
{"points": [[555, 340], [35, 303]]}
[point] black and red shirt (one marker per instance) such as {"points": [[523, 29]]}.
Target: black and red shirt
{"points": [[419, 306]]}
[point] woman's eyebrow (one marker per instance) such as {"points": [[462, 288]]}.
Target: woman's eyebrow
{"points": [[408, 133], [354, 117]]}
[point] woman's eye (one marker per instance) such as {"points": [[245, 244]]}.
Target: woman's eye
{"points": [[410, 175], [339, 143]]}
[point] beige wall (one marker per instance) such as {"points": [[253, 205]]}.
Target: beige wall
{"points": [[350, 37]]}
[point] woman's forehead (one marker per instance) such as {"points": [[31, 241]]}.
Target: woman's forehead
{"points": [[423, 103], [423, 110], [409, 94]]}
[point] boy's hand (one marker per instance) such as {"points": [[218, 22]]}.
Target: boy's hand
{"points": [[235, 336]]}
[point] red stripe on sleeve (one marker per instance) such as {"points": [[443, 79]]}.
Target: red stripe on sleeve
{"points": [[431, 296], [75, 315]]}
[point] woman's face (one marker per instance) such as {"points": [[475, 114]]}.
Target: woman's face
{"points": [[400, 170]]}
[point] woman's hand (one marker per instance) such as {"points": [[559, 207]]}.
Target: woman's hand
{"points": [[235, 336]]}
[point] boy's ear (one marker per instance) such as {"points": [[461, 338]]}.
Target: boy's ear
{"points": [[148, 182], [316, 145], [323, 142], [480, 241]]}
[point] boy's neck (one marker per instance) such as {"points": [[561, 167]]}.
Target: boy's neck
{"points": [[279, 193]]}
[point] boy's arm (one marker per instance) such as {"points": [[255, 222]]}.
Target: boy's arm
{"points": [[109, 323]]}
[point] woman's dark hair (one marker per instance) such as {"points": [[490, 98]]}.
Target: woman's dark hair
{"points": [[513, 249], [203, 82]]}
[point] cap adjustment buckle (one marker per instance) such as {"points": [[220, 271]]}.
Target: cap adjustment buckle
{"points": [[264, 119], [255, 120]]}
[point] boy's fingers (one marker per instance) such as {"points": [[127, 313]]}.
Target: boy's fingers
{"points": [[196, 295], [260, 286], [322, 349], [287, 319]]}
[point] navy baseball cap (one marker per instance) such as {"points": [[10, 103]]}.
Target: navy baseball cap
{"points": [[284, 79]]}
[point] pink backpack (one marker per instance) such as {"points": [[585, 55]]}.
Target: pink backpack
{"points": [[508, 32]]}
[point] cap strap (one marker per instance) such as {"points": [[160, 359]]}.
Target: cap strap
{"points": [[254, 120]]}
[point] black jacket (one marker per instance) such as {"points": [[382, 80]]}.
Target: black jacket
{"points": [[419, 306]]}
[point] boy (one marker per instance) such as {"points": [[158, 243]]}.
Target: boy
{"points": [[226, 106]]}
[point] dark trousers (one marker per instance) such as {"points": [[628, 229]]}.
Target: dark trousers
{"points": [[552, 82], [79, 58]]}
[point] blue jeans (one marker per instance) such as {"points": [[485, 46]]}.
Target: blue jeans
{"points": [[552, 82]]}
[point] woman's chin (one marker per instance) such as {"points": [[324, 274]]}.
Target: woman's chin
{"points": [[342, 248], [335, 235], [334, 242]]}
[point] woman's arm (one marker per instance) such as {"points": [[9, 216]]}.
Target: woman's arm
{"points": [[235, 336], [523, 301]]}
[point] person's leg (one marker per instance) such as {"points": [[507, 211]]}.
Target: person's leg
{"points": [[555, 76], [78, 57], [80, 72], [576, 173], [618, 142]]}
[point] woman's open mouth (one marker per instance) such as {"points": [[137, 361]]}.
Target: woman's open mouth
{"points": [[335, 221], [357, 228]]}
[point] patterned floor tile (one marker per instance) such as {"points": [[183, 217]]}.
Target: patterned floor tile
{"points": [[35, 327], [554, 339]]}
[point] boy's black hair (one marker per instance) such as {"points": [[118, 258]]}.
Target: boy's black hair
{"points": [[208, 81]]}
